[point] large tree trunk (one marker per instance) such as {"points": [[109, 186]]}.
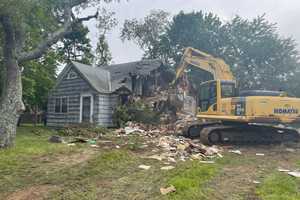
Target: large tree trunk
{"points": [[11, 104]]}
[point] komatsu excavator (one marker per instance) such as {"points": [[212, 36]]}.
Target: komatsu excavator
{"points": [[227, 115]]}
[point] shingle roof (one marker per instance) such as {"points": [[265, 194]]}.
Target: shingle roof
{"points": [[107, 79]]}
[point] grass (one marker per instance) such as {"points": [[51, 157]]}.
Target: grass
{"points": [[189, 180], [114, 174], [278, 186], [18, 166]]}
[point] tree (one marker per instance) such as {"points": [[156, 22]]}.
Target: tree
{"points": [[76, 45], [199, 30], [258, 55], [21, 20], [105, 23], [38, 80], [147, 34], [103, 54]]}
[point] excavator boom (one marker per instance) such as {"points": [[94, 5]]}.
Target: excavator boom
{"points": [[216, 66], [226, 115]]}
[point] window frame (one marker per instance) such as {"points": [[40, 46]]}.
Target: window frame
{"points": [[70, 77], [60, 100]]}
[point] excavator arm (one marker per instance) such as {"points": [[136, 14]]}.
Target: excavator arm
{"points": [[216, 66]]}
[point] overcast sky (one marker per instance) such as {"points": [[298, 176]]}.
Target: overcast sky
{"points": [[285, 13]]}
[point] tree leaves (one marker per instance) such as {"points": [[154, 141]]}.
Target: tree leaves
{"points": [[259, 57], [148, 32]]}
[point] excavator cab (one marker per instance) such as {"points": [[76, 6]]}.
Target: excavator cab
{"points": [[227, 115], [211, 92]]}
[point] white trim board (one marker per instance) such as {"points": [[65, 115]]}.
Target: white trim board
{"points": [[92, 107]]}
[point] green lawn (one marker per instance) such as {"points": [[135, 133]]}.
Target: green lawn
{"points": [[37, 169]]}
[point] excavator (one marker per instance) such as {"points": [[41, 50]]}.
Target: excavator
{"points": [[227, 115]]}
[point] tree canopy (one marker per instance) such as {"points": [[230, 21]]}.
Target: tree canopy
{"points": [[258, 56]]}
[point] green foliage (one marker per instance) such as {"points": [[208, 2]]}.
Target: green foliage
{"points": [[197, 29], [147, 33], [38, 78], [141, 112], [259, 57], [279, 186], [121, 116], [136, 112], [85, 130], [105, 23], [76, 45], [103, 54]]}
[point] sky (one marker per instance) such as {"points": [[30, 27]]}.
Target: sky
{"points": [[285, 13]]}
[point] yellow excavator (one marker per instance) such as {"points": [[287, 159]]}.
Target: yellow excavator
{"points": [[227, 115]]}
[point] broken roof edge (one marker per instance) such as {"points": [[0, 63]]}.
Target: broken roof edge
{"points": [[100, 77], [133, 62]]}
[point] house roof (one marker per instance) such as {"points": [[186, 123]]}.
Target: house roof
{"points": [[108, 79]]}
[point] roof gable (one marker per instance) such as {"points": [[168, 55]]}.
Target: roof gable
{"points": [[108, 79]]}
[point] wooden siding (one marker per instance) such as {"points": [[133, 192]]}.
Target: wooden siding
{"points": [[71, 88], [106, 105]]}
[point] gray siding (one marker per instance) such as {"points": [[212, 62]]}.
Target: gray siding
{"points": [[71, 88], [106, 106]]}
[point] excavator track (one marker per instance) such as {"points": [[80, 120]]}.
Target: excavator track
{"points": [[215, 133]]}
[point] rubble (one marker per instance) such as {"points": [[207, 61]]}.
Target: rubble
{"points": [[289, 172], [290, 150], [235, 152], [145, 167], [207, 162], [283, 170], [167, 190], [294, 174], [172, 146], [56, 139], [167, 168]]}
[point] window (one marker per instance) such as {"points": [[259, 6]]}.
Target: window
{"points": [[57, 105], [207, 95], [228, 90], [61, 105], [72, 75], [64, 105]]}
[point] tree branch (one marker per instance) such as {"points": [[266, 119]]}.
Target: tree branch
{"points": [[54, 37]]}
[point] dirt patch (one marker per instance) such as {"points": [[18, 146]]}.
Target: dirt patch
{"points": [[234, 181], [240, 178], [76, 158], [32, 193], [71, 159]]}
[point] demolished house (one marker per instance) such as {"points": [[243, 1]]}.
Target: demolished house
{"points": [[89, 94]]}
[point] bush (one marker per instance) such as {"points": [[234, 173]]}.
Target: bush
{"points": [[136, 112], [85, 130]]}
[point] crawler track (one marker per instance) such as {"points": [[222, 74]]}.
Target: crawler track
{"points": [[218, 133]]}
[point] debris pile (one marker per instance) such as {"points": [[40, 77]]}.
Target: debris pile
{"points": [[180, 148], [172, 146], [145, 130]]}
